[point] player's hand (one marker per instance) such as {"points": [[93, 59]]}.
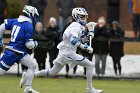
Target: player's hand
{"points": [[90, 50], [87, 48], [91, 26]]}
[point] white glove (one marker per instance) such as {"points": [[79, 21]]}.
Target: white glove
{"points": [[86, 47], [90, 50], [91, 26], [31, 44], [91, 34]]}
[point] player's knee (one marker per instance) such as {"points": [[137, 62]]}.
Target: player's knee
{"points": [[91, 65], [33, 65]]}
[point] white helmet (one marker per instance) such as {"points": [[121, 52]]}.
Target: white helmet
{"points": [[80, 15], [30, 11]]}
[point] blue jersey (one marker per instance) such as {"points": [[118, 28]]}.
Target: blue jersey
{"points": [[21, 32]]}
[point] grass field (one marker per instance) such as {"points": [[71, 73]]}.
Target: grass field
{"points": [[9, 84]]}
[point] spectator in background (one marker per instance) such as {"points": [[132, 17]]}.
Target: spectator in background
{"points": [[135, 12], [52, 34], [3, 12], [41, 6], [116, 48], [64, 8], [40, 54], [101, 48]]}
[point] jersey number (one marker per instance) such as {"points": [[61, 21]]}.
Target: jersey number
{"points": [[15, 32]]}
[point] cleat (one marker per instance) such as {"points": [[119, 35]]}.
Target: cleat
{"points": [[93, 90], [30, 90], [23, 80]]}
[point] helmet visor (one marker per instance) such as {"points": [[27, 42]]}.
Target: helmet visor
{"points": [[83, 17]]}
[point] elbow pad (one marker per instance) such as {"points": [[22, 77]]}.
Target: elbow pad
{"points": [[31, 44], [74, 41]]}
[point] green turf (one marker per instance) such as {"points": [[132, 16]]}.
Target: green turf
{"points": [[9, 84]]}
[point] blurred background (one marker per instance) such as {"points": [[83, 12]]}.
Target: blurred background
{"points": [[116, 44]]}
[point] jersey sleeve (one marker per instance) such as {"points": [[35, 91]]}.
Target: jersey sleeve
{"points": [[29, 33], [8, 23], [75, 29]]}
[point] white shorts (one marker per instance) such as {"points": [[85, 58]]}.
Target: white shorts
{"points": [[68, 57]]}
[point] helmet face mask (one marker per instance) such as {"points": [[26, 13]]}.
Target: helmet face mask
{"points": [[34, 19], [83, 18]]}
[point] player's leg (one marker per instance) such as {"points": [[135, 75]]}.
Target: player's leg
{"points": [[82, 61], [52, 72], [55, 69], [89, 71], [58, 65], [7, 60], [28, 76], [2, 72]]}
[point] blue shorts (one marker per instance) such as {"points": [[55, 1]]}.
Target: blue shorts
{"points": [[9, 58]]}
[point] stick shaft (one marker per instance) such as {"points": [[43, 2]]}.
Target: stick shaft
{"points": [[90, 41]]}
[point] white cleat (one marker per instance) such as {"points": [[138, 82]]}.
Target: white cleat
{"points": [[93, 90], [23, 80], [30, 90]]}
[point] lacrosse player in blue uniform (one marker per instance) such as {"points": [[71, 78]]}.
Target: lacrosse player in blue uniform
{"points": [[21, 39]]}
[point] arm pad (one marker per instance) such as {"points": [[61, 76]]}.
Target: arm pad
{"points": [[31, 44], [75, 41]]}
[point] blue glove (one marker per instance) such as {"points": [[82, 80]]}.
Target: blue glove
{"points": [[1, 42], [86, 47]]}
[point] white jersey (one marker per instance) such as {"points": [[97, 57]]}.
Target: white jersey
{"points": [[74, 29]]}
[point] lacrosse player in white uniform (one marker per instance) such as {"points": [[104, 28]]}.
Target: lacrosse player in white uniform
{"points": [[72, 38]]}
